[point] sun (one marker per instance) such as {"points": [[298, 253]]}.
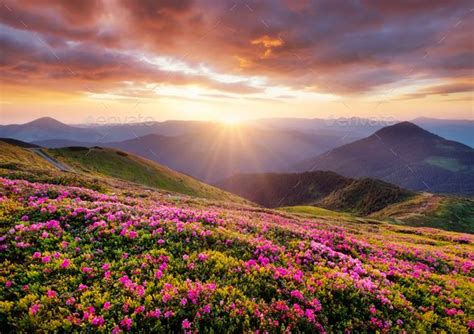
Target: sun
{"points": [[230, 121]]}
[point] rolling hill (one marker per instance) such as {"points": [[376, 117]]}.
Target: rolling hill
{"points": [[96, 165], [15, 155], [129, 167], [325, 189], [406, 155]]}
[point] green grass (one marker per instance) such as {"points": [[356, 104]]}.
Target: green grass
{"points": [[314, 211], [448, 213], [14, 157], [453, 214], [120, 165], [450, 164]]}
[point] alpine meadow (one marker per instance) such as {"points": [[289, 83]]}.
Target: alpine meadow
{"points": [[263, 166]]}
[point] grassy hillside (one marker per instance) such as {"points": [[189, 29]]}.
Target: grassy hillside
{"points": [[365, 196], [15, 155], [314, 211], [121, 165], [100, 169], [449, 213]]}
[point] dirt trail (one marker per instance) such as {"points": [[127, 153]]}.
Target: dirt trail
{"points": [[52, 161]]}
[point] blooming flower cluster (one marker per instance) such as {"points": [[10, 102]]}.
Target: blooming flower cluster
{"points": [[72, 259]]}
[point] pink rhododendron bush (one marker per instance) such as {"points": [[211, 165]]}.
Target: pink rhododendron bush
{"points": [[77, 260]]}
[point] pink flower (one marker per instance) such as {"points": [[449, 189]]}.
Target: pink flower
{"points": [[36, 255], [316, 304], [297, 294], [106, 266], [126, 323], [46, 259], [372, 309], [155, 314], [309, 313], [82, 287], [202, 257], [66, 263], [116, 330], [158, 274], [186, 324], [140, 290], [70, 301], [207, 309], [44, 235], [86, 270], [34, 308], [125, 307], [8, 284], [51, 294], [107, 305], [451, 311], [470, 324], [98, 321]]}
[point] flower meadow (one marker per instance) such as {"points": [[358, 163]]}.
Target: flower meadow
{"points": [[73, 259]]}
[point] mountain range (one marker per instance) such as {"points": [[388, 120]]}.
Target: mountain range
{"points": [[218, 152], [343, 130], [406, 155], [403, 154]]}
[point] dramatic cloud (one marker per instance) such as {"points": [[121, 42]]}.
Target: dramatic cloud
{"points": [[238, 48]]}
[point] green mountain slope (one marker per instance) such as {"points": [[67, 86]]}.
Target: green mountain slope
{"points": [[15, 155], [100, 169], [125, 166], [448, 213], [365, 196]]}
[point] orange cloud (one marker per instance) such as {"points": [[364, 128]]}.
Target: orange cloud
{"points": [[268, 43]]}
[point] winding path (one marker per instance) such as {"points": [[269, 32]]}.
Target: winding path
{"points": [[52, 161]]}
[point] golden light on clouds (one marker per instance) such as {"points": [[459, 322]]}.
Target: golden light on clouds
{"points": [[268, 59], [268, 43]]}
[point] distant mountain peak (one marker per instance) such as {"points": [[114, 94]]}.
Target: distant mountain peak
{"points": [[46, 121], [403, 130]]}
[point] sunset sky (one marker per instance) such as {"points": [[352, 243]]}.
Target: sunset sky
{"points": [[233, 60]]}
